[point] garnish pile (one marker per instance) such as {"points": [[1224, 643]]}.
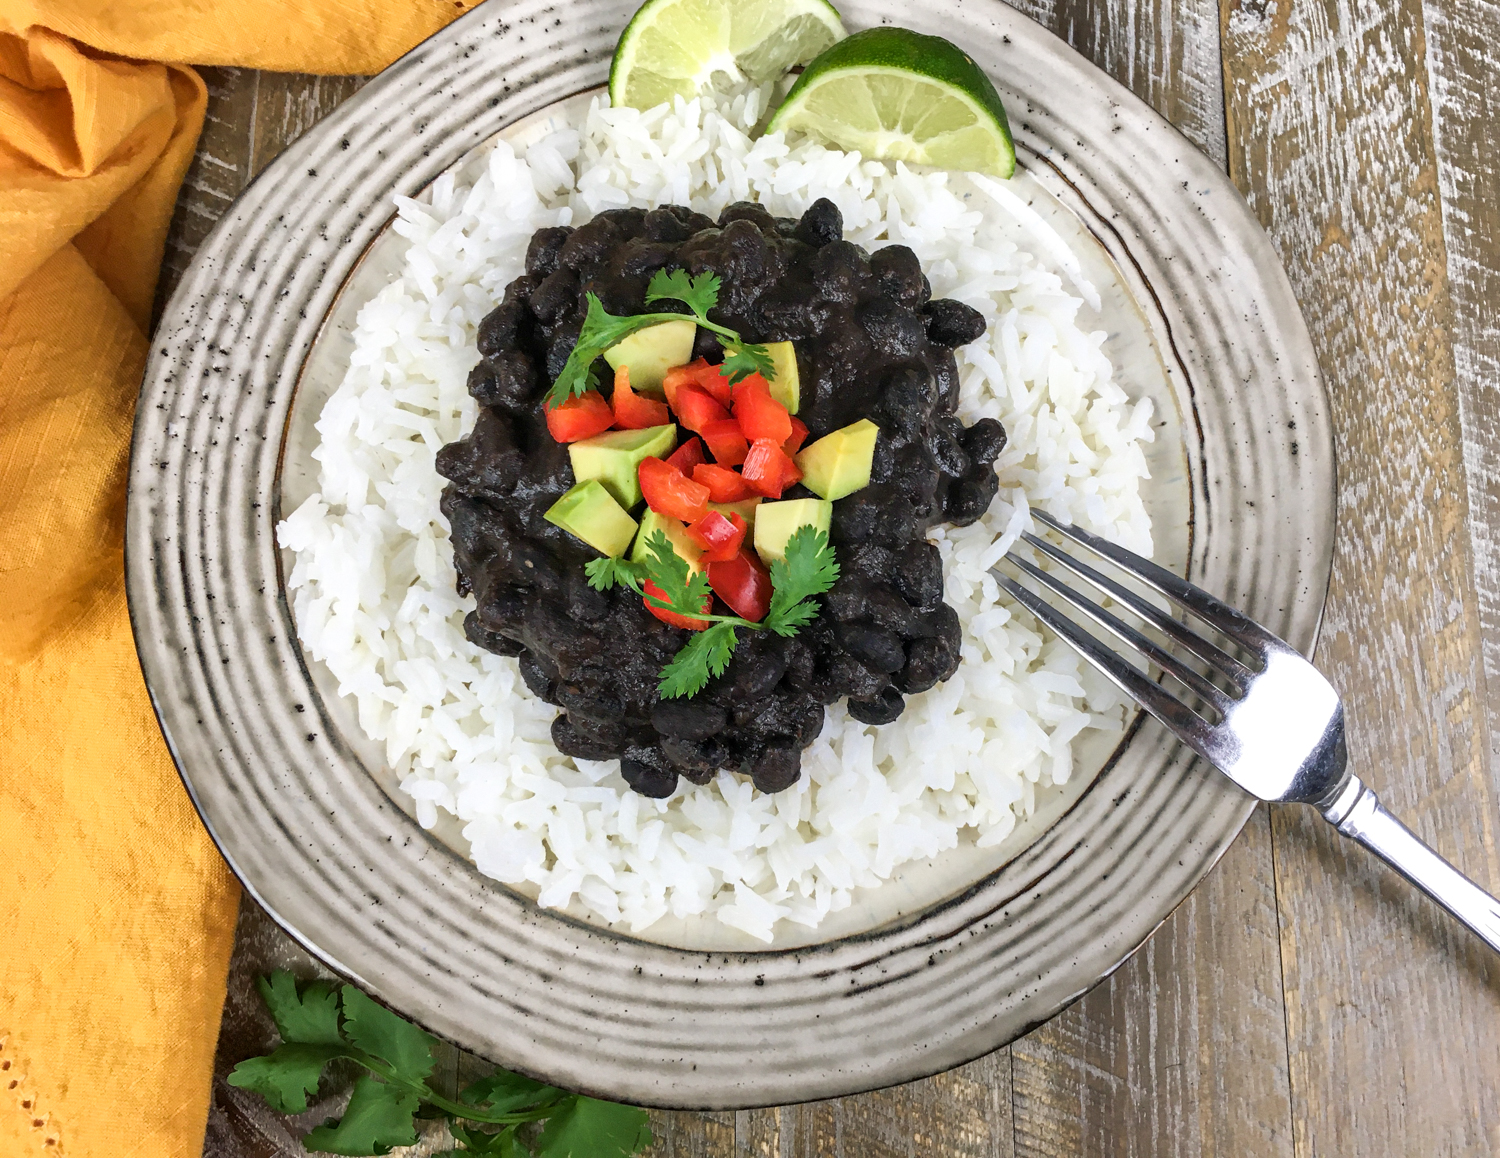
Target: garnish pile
{"points": [[503, 1115], [694, 502]]}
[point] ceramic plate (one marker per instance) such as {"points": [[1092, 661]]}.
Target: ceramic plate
{"points": [[945, 963]]}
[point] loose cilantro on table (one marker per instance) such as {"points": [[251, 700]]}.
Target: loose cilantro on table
{"points": [[807, 570], [319, 1023], [602, 329]]}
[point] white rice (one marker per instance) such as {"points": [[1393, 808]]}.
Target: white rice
{"points": [[373, 582]]}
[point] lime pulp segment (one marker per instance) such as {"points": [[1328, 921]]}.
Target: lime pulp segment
{"points": [[678, 47]]}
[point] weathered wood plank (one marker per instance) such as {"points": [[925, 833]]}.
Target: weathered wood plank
{"points": [[1391, 1011], [1183, 1050]]}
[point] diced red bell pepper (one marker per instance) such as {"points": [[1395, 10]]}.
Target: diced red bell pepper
{"points": [[633, 412], [670, 492], [752, 382], [696, 408], [726, 442], [799, 436], [582, 416], [672, 617], [719, 535], [697, 373], [743, 583], [688, 457], [760, 415], [768, 471], [724, 485]]}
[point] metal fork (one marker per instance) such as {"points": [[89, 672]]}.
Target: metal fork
{"points": [[1274, 726]]}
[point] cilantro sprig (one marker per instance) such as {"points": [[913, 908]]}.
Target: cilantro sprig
{"points": [[602, 329], [807, 570], [320, 1023]]}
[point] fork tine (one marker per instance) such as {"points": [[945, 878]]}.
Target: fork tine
{"points": [[1186, 724], [1164, 623], [1214, 612], [1130, 636]]}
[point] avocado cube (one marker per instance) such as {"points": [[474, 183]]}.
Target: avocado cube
{"points": [[590, 512], [651, 352], [776, 523], [614, 458], [839, 464], [785, 386], [677, 536]]}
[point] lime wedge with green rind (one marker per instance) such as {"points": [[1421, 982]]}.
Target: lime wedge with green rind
{"points": [[897, 95], [679, 47]]}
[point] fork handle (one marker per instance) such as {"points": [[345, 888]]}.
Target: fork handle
{"points": [[1358, 814]]}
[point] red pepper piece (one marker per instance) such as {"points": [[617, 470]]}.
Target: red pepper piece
{"points": [[673, 617], [744, 584], [712, 379], [768, 471], [582, 416], [696, 408], [633, 412], [670, 492], [799, 436], [726, 442], [724, 485], [719, 535], [679, 376], [759, 415], [688, 456]]}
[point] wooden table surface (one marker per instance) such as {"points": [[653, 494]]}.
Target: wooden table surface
{"points": [[1302, 1001]]}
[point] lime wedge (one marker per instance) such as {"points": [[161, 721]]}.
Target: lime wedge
{"points": [[898, 95], [679, 47]]}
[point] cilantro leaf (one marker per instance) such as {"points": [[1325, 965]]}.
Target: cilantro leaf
{"points": [[502, 1091], [378, 1031], [504, 1144], [807, 569], [741, 359], [700, 294], [379, 1115], [594, 1129], [310, 1016], [285, 1078], [707, 653], [606, 573], [601, 330], [682, 589]]}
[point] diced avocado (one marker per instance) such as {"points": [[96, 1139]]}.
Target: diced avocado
{"points": [[590, 512], [784, 386], [838, 464], [776, 523], [614, 458], [745, 508], [651, 352], [676, 534]]}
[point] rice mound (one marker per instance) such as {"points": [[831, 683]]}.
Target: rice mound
{"points": [[373, 580]]}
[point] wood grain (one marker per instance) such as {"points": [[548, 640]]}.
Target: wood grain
{"points": [[1391, 1011]]}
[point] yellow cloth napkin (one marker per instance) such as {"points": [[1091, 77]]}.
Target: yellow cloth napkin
{"points": [[116, 913]]}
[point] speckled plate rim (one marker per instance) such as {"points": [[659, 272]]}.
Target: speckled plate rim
{"points": [[336, 863]]}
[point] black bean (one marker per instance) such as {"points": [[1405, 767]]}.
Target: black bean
{"points": [[592, 698], [571, 742], [477, 634], [544, 250], [839, 270], [620, 294], [878, 649], [951, 323], [488, 462], [928, 663], [630, 220], [589, 245], [664, 225], [969, 498], [893, 329], [942, 439], [648, 772], [984, 441], [821, 224], [584, 603], [696, 759], [537, 679], [508, 380], [642, 257], [882, 710], [918, 574], [750, 212], [563, 340], [556, 297], [501, 328], [898, 276], [776, 768], [906, 399], [691, 719]]}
